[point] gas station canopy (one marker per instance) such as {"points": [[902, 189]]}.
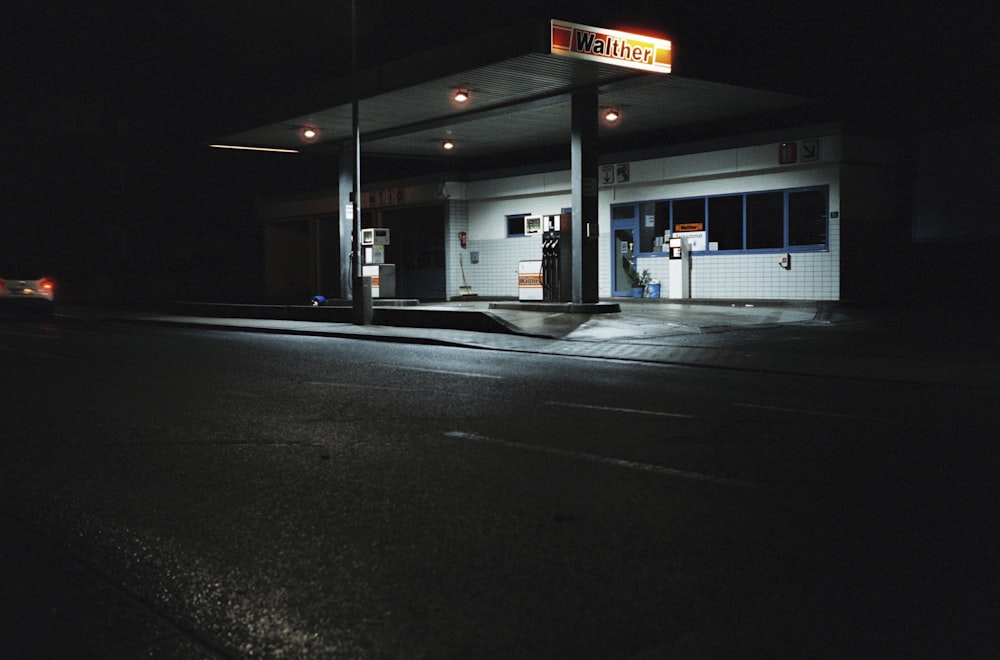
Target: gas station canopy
{"points": [[519, 85]]}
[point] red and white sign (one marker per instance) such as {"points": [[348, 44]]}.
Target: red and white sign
{"points": [[611, 47], [530, 280]]}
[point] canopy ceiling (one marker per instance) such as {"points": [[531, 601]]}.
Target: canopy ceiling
{"points": [[519, 102]]}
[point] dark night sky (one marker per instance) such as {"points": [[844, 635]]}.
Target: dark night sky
{"points": [[205, 66], [148, 84]]}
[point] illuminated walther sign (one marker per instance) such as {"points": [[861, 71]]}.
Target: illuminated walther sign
{"points": [[611, 47]]}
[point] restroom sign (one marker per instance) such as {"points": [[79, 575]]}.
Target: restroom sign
{"points": [[634, 51]]}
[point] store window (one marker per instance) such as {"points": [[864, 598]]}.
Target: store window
{"points": [[515, 225], [807, 218], [765, 221], [623, 212], [689, 211], [654, 221], [725, 222], [758, 221]]}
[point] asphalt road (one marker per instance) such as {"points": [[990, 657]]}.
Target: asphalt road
{"points": [[194, 493]]}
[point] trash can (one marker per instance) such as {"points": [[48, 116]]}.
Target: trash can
{"points": [[653, 290]]}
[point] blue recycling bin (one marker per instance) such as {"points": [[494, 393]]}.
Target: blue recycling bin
{"points": [[653, 290]]}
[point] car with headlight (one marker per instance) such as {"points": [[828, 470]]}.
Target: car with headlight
{"points": [[34, 292]]}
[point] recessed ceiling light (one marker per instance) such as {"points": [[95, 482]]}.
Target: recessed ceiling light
{"points": [[308, 134]]}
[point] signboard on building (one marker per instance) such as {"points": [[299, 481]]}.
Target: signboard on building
{"points": [[803, 151], [634, 51], [695, 238], [388, 197], [612, 174], [787, 153]]}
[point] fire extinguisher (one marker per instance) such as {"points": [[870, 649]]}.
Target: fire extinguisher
{"points": [[463, 239]]}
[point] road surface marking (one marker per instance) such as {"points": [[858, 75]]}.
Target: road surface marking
{"points": [[633, 411], [387, 388], [605, 460], [820, 413], [467, 374]]}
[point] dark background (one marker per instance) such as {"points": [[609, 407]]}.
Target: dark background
{"points": [[109, 182]]}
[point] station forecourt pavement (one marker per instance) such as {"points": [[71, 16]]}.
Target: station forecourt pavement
{"points": [[931, 344]]}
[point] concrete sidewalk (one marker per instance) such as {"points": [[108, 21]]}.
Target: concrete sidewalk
{"points": [[807, 338]]}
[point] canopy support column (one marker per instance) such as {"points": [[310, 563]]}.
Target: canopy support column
{"points": [[584, 197]]}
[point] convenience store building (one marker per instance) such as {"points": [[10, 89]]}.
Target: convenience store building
{"points": [[771, 199]]}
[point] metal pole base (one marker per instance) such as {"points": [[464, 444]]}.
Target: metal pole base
{"points": [[362, 303]]}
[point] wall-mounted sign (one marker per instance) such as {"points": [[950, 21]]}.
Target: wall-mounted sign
{"points": [[810, 151], [611, 47], [390, 197], [689, 226], [612, 174], [787, 153], [695, 240], [804, 151]]}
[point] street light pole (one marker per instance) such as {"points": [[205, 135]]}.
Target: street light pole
{"points": [[361, 289]]}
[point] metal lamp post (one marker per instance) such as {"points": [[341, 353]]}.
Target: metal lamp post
{"points": [[361, 286]]}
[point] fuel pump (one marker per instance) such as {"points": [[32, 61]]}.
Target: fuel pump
{"points": [[550, 265], [383, 275], [557, 273]]}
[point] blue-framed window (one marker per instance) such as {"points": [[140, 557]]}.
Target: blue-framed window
{"points": [[791, 220], [515, 225]]}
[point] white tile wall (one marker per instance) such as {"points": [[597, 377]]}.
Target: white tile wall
{"points": [[456, 258], [496, 272], [812, 276]]}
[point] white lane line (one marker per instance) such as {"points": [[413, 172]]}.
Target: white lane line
{"points": [[631, 411], [447, 372], [385, 388], [818, 413], [359, 386], [605, 460]]}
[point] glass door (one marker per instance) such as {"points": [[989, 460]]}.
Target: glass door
{"points": [[622, 257]]}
